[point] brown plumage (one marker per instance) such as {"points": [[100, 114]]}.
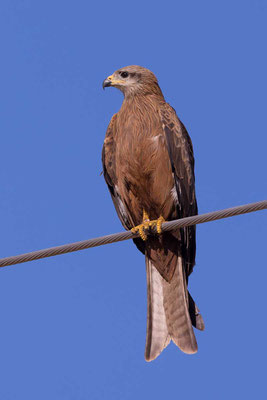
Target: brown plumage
{"points": [[148, 166]]}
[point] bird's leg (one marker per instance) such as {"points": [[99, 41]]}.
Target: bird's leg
{"points": [[147, 224], [142, 227]]}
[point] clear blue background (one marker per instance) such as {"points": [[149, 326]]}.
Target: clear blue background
{"points": [[73, 326]]}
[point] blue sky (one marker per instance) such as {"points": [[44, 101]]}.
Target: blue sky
{"points": [[73, 326]]}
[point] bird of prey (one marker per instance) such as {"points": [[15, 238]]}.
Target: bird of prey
{"points": [[148, 165]]}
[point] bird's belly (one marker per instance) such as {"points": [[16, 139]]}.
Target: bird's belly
{"points": [[145, 183]]}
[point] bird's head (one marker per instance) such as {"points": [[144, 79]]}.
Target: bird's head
{"points": [[133, 80]]}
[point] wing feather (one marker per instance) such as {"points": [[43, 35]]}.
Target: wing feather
{"points": [[109, 171], [180, 151]]}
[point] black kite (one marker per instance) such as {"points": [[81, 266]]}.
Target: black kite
{"points": [[148, 166]]}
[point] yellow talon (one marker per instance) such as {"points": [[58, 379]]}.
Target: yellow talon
{"points": [[141, 230], [147, 224], [159, 224]]}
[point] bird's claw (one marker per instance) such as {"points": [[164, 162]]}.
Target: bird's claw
{"points": [[141, 230], [146, 225], [158, 224]]}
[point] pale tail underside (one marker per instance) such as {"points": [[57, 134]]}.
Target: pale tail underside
{"points": [[168, 316]]}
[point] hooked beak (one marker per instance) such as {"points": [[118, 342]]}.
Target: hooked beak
{"points": [[106, 83], [111, 81]]}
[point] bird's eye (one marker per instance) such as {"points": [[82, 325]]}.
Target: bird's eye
{"points": [[124, 74]]}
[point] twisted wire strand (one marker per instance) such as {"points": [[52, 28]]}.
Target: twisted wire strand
{"points": [[117, 237]]}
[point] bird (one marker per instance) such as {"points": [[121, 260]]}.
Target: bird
{"points": [[148, 166]]}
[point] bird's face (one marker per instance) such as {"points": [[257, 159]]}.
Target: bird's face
{"points": [[131, 80], [123, 79]]}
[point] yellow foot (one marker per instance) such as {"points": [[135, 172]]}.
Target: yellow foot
{"points": [[157, 223], [141, 230], [147, 224]]}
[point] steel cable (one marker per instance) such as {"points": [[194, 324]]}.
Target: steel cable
{"points": [[117, 237]]}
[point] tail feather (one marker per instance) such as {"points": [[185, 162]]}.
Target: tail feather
{"points": [[176, 306], [157, 337], [170, 312]]}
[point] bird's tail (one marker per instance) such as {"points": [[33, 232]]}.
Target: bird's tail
{"points": [[170, 312]]}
